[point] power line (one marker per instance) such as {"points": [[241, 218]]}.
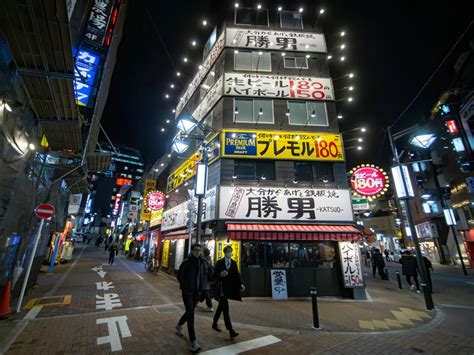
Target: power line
{"points": [[432, 75]]}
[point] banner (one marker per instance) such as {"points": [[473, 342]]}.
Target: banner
{"points": [[351, 265], [284, 204], [156, 217], [188, 169], [74, 203], [235, 244], [281, 145], [179, 254], [177, 217], [278, 86], [211, 98], [259, 39], [146, 213], [165, 256]]}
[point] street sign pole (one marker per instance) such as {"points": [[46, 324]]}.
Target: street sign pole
{"points": [[55, 252], [28, 270]]}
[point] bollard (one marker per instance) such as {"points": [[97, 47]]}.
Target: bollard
{"points": [[386, 274], [314, 302], [399, 280]]}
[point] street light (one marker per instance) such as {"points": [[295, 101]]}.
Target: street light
{"points": [[404, 191]]}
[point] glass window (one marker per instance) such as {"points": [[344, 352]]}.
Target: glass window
{"points": [[325, 254], [295, 63], [308, 113], [207, 83], [246, 16], [253, 61], [301, 255], [291, 19], [253, 254], [323, 170], [207, 121], [253, 170], [277, 255], [253, 111], [265, 169], [304, 171]]}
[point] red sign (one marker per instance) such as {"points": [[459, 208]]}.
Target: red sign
{"points": [[122, 181], [155, 201], [452, 127], [369, 180], [44, 210]]}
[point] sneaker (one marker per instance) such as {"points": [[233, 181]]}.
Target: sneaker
{"points": [[412, 287], [209, 309], [195, 348], [179, 330], [418, 291]]}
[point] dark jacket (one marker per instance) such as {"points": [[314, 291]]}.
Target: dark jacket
{"points": [[428, 264], [189, 271], [113, 250], [409, 265], [230, 283], [377, 259]]}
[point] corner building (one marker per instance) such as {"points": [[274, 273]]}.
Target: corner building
{"points": [[277, 185]]}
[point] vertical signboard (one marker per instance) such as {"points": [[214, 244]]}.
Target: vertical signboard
{"points": [[149, 187], [98, 23], [279, 285], [85, 73], [351, 266], [179, 255], [165, 256]]}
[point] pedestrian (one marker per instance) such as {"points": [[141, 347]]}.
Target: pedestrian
{"points": [[410, 270], [206, 292], [131, 249], [387, 254], [429, 268], [378, 263], [228, 287], [113, 251], [106, 243], [191, 275]]}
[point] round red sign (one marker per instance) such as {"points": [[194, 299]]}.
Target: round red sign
{"points": [[155, 200], [44, 210], [369, 180]]}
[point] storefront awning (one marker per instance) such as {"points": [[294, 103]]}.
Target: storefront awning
{"points": [[179, 234], [291, 232]]}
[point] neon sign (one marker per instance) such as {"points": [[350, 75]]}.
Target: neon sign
{"points": [[155, 201], [369, 180], [85, 71]]}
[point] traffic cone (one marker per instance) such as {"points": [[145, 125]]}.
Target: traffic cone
{"points": [[5, 301]]}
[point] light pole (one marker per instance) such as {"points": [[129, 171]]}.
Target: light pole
{"points": [[405, 192]]}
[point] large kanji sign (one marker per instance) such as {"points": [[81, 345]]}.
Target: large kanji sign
{"points": [[278, 86], [284, 204], [281, 145]]}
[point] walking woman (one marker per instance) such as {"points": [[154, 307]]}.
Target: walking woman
{"points": [[228, 287]]}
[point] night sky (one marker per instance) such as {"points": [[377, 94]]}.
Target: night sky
{"points": [[392, 46]]}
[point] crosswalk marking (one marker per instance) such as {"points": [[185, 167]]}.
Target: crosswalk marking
{"points": [[244, 346]]}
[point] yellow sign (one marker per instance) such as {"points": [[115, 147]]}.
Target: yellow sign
{"points": [[282, 145], [149, 187], [44, 141], [235, 244], [156, 217], [188, 169], [165, 256]]}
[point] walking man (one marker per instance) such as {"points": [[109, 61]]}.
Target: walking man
{"points": [[206, 287], [378, 263], [191, 274], [228, 287], [410, 269], [113, 250]]}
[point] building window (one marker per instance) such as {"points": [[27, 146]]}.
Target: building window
{"points": [[253, 61], [308, 113], [320, 172], [207, 121], [245, 169], [291, 19], [253, 111], [295, 62], [247, 16], [208, 83]]}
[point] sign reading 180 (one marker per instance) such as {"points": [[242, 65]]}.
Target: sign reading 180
{"points": [[369, 180]]}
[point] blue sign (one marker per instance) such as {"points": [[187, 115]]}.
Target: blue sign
{"points": [[239, 143], [85, 71]]}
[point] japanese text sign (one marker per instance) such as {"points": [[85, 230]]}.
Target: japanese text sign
{"points": [[284, 204], [279, 285], [165, 256], [85, 72], [278, 86], [99, 21], [188, 169], [149, 187], [280, 145], [155, 200], [275, 40], [351, 265], [369, 180]]}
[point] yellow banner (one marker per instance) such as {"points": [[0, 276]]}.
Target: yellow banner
{"points": [[282, 145], [145, 214], [165, 256], [156, 217], [235, 250], [188, 169]]}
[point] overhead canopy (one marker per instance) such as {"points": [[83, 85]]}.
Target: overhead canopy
{"points": [[290, 232]]}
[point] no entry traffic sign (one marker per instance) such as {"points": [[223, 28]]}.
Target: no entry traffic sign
{"points": [[44, 210]]}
